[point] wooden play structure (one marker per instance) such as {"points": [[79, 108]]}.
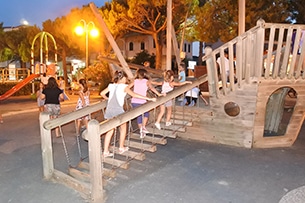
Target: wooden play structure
{"points": [[245, 109]]}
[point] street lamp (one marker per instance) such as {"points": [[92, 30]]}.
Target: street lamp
{"points": [[87, 28]]}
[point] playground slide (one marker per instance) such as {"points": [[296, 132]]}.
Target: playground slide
{"points": [[18, 86]]}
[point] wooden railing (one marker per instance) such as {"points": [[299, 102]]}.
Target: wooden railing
{"points": [[267, 50], [250, 59], [95, 130], [12, 75]]}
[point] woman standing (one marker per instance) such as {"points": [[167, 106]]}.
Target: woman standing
{"points": [[52, 95]]}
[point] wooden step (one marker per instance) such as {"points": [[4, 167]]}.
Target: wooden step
{"points": [[181, 122], [154, 139], [183, 116], [131, 154], [141, 145], [106, 172], [83, 176], [116, 162], [179, 128], [163, 132]]}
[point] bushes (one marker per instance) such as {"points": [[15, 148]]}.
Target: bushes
{"points": [[25, 90]]}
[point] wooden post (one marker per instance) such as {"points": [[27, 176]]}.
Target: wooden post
{"points": [[211, 72], [95, 162], [111, 40], [46, 147], [169, 35], [241, 16]]}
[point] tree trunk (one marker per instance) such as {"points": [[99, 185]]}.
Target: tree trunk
{"points": [[275, 110], [64, 65], [158, 52]]}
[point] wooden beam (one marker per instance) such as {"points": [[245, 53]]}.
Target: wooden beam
{"points": [[111, 40]]}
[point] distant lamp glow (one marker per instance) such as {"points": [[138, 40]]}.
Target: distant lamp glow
{"points": [[24, 22], [87, 28]]}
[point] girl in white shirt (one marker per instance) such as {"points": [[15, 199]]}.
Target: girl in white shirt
{"points": [[167, 86], [117, 92]]}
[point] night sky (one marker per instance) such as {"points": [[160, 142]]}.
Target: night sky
{"points": [[14, 12]]}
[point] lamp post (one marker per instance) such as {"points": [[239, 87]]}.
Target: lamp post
{"points": [[87, 28]]}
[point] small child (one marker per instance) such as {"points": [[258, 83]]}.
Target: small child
{"points": [[191, 96], [40, 102], [117, 92], [83, 101], [74, 86], [167, 86], [181, 78], [62, 86], [140, 86]]}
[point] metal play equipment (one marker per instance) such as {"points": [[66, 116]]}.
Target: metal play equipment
{"points": [[43, 48]]}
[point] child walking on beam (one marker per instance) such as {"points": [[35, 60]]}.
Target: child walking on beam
{"points": [[117, 92]]}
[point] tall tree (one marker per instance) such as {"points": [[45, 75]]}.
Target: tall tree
{"points": [[16, 44], [68, 43], [218, 19], [144, 17], [297, 8]]}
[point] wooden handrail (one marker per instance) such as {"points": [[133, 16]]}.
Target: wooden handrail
{"points": [[114, 122]]}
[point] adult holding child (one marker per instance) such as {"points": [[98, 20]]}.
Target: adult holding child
{"points": [[117, 92]]}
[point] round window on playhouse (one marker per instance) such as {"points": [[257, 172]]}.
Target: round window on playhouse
{"points": [[232, 109]]}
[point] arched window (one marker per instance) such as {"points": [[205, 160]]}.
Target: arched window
{"points": [[142, 45], [130, 46]]}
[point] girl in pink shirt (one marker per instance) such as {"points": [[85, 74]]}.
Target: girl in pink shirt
{"points": [[140, 86]]}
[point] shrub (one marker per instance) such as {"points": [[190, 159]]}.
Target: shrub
{"points": [[25, 90]]}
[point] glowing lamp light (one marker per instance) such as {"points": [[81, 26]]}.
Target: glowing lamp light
{"points": [[79, 30], [88, 30], [94, 32]]}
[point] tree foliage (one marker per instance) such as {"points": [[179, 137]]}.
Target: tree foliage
{"points": [[68, 43], [16, 44], [297, 9], [143, 56], [218, 19], [100, 73], [144, 17]]}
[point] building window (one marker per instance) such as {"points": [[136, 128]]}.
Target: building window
{"points": [[189, 48], [184, 47], [130, 46], [142, 45]]}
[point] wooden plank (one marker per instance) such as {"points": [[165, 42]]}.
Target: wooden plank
{"points": [[79, 175], [172, 128], [106, 172], [116, 162], [130, 154], [162, 132], [150, 138], [81, 187], [141, 145], [176, 121], [46, 147]]}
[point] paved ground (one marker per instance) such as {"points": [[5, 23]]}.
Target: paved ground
{"points": [[181, 171]]}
